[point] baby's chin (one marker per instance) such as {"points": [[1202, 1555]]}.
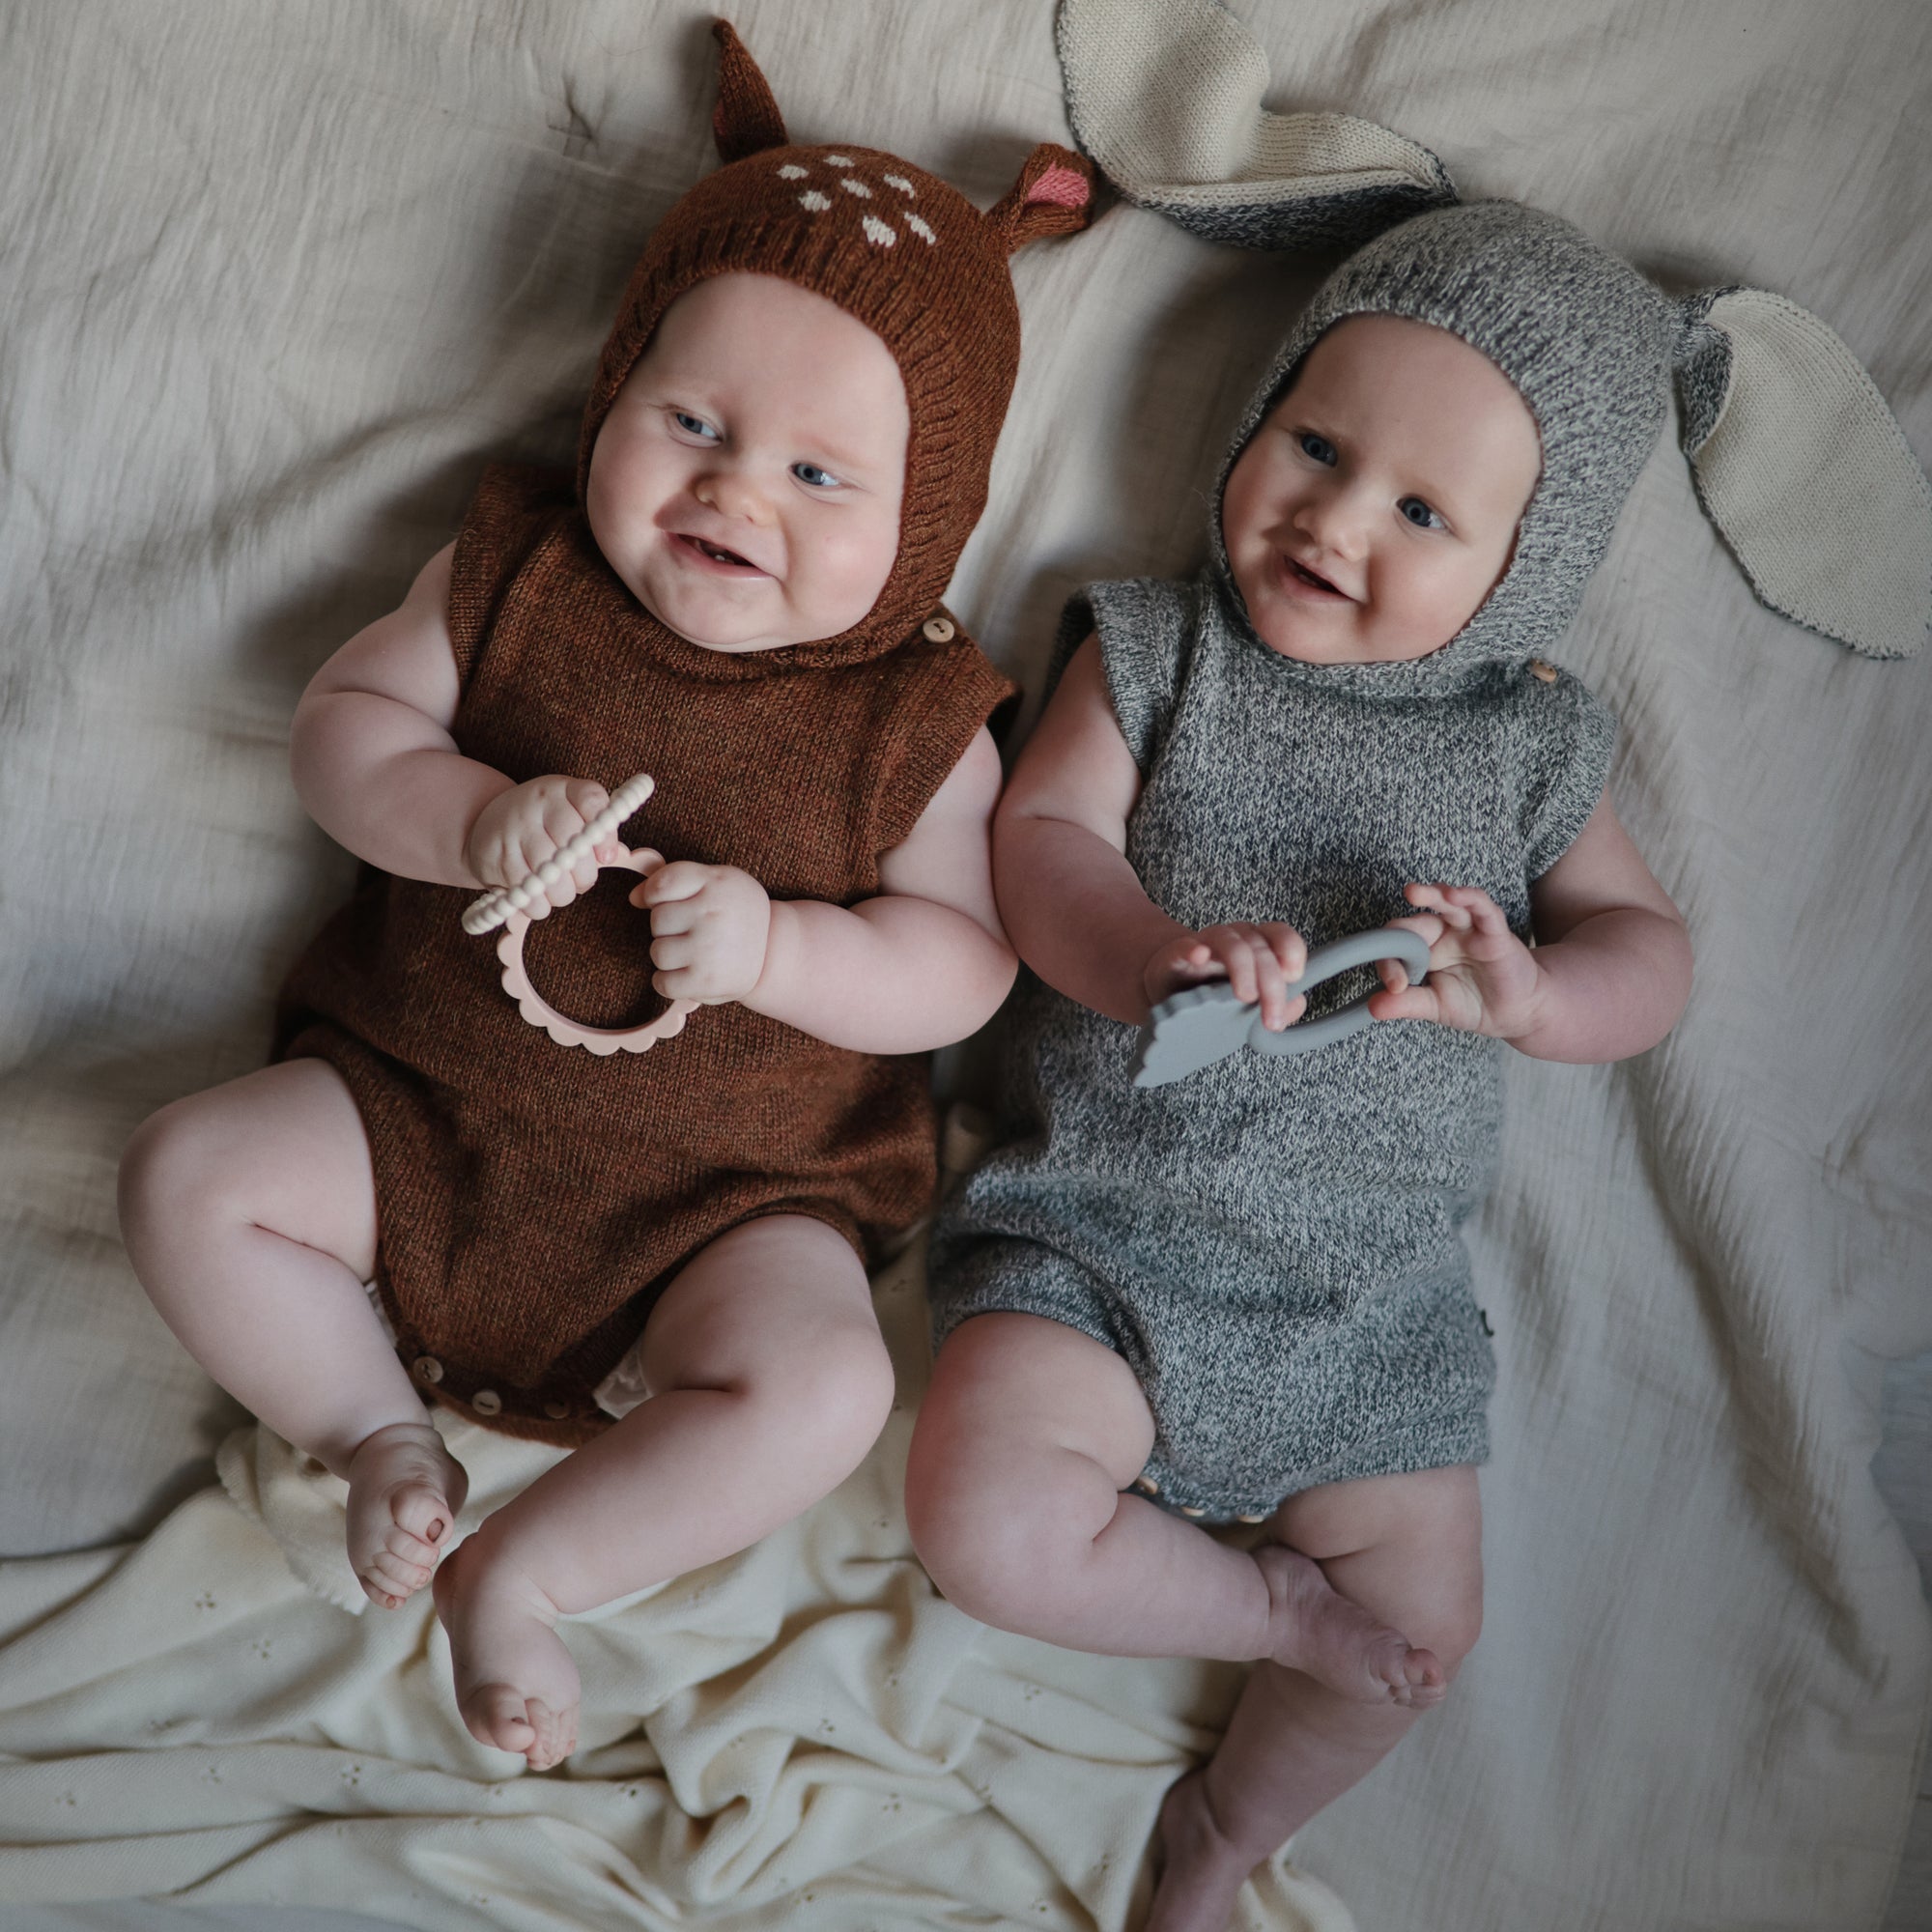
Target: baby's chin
{"points": [[1310, 643], [738, 628], [710, 632]]}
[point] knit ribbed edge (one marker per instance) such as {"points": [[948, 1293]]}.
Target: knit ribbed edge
{"points": [[510, 495], [498, 525], [1577, 777], [938, 713], [1144, 626]]}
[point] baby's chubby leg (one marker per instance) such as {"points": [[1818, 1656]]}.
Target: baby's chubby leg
{"points": [[249, 1214], [1027, 1438], [1406, 1547], [769, 1381]]}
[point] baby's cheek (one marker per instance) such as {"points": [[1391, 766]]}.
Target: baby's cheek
{"points": [[851, 571]]}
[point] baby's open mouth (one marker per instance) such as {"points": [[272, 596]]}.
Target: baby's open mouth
{"points": [[716, 553], [1301, 574]]}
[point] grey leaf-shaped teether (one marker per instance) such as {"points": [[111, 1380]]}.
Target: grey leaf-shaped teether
{"points": [[1194, 1027], [1191, 1030]]}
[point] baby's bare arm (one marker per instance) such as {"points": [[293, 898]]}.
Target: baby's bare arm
{"points": [[1609, 974], [923, 964], [1612, 949], [370, 746], [1075, 906], [1077, 913]]}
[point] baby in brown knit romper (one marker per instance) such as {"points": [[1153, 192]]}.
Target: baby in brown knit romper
{"points": [[785, 447]]}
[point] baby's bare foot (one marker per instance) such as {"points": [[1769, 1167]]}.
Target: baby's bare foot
{"points": [[1199, 1869], [404, 1489], [1315, 1628], [515, 1683]]}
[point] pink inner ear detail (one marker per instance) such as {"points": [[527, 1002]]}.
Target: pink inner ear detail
{"points": [[1061, 186]]}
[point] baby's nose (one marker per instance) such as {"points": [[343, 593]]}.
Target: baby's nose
{"points": [[732, 493], [1335, 519]]}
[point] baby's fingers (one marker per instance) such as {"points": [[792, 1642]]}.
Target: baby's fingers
{"points": [[1443, 901], [1287, 946], [585, 797], [532, 852], [1270, 980], [1485, 913], [559, 822], [681, 879], [1403, 1002], [1246, 954], [1236, 953], [1428, 929]]}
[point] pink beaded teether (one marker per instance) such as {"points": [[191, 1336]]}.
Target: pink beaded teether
{"points": [[505, 906]]}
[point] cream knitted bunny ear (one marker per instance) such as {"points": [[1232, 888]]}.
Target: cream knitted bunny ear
{"points": [[1804, 473], [1167, 99]]}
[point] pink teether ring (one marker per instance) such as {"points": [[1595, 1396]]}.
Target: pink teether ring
{"points": [[538, 1010]]}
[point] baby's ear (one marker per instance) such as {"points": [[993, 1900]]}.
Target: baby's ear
{"points": [[1054, 195], [746, 120]]}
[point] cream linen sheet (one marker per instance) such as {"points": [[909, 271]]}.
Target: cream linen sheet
{"points": [[278, 280]]}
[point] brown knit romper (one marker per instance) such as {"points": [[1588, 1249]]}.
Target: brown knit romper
{"points": [[532, 1200]]}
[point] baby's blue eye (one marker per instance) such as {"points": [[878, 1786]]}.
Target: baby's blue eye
{"points": [[1418, 513], [693, 425], [1318, 447], [812, 473]]}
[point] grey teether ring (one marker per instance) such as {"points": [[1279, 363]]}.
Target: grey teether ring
{"points": [[1194, 1027]]}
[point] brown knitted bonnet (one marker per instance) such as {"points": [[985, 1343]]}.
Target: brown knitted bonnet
{"points": [[908, 256]]}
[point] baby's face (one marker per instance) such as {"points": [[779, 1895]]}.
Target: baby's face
{"points": [[1377, 505], [746, 484]]}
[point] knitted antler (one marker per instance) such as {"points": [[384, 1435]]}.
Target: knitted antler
{"points": [[1167, 99], [746, 120], [1804, 473]]}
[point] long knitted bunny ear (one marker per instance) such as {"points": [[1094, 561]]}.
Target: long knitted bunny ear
{"points": [[1804, 473], [1167, 97], [746, 120]]}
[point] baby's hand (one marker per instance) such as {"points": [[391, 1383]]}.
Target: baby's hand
{"points": [[1257, 961], [709, 926], [527, 826], [1482, 977]]}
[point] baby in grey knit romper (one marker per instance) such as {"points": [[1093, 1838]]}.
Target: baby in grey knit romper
{"points": [[1272, 1245], [1245, 1294]]}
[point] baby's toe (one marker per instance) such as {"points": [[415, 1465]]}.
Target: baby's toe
{"points": [[400, 1546], [379, 1593], [498, 1714], [421, 1512], [1427, 1682], [396, 1574], [556, 1734], [1420, 1682], [1387, 1661]]}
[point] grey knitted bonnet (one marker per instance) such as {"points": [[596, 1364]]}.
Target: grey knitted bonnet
{"points": [[1797, 461]]}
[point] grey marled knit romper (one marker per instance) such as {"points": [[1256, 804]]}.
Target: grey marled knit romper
{"points": [[1272, 1245]]}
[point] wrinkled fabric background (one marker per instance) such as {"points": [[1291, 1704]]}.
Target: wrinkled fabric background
{"points": [[274, 283]]}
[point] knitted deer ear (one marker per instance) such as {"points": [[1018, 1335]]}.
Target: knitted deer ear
{"points": [[1804, 473], [746, 120], [1167, 99], [1054, 195]]}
